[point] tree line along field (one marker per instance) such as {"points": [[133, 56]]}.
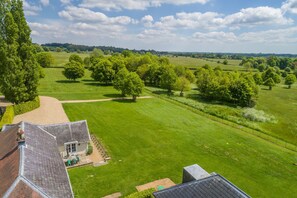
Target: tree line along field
{"points": [[61, 58], [154, 139]]}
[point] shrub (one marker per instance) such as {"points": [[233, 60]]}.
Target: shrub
{"points": [[7, 117], [257, 115], [90, 149], [26, 106], [142, 194]]}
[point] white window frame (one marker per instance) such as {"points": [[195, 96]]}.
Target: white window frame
{"points": [[70, 145]]}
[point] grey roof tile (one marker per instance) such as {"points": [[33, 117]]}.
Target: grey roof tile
{"points": [[214, 186]]}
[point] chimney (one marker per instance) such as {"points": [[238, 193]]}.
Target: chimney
{"points": [[21, 137], [194, 172]]}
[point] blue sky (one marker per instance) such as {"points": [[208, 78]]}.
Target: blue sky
{"points": [[245, 26]]}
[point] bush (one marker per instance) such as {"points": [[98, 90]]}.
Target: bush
{"points": [[26, 106], [90, 149], [143, 194], [7, 117], [256, 115]]}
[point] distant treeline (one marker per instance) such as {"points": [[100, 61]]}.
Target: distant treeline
{"points": [[67, 47]]}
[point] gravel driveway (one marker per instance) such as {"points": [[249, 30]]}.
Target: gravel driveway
{"points": [[50, 112]]}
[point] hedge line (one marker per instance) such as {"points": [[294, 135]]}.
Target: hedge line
{"points": [[142, 194], [26, 106], [7, 117]]}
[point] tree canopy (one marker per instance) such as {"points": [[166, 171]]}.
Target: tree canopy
{"points": [[19, 69]]}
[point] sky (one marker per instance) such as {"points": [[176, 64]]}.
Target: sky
{"points": [[238, 26]]}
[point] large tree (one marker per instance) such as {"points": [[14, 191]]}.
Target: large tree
{"points": [[290, 79], [74, 70], [18, 66], [103, 72], [45, 59]]}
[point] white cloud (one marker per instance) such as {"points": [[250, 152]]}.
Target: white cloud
{"points": [[290, 6], [286, 36], [30, 10], [215, 36], [147, 20], [73, 13], [65, 2], [134, 4], [258, 16], [44, 2]]}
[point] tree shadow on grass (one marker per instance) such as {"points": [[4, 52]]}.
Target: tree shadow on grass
{"points": [[88, 80], [67, 81], [126, 100], [160, 92], [199, 98], [95, 83], [266, 89], [113, 95]]}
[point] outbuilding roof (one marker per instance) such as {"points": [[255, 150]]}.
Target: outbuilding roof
{"points": [[213, 186]]}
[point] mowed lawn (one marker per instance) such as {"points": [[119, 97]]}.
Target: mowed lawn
{"points": [[153, 139], [56, 85], [282, 104]]}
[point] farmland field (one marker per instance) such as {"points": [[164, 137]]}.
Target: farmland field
{"points": [[197, 62], [154, 139]]}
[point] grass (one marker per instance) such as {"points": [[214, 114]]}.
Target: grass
{"points": [[197, 62], [282, 104], [56, 85], [61, 58], [154, 139]]}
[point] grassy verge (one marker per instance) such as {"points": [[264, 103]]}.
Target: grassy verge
{"points": [[154, 139]]}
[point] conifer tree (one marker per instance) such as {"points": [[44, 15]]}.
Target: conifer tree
{"points": [[18, 66]]}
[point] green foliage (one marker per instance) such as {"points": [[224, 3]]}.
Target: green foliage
{"points": [[75, 58], [271, 77], [90, 149], [168, 78], [142, 194], [103, 72], [18, 66], [290, 79], [7, 117], [182, 84], [97, 53], [258, 78], [225, 62], [73, 70], [87, 61], [26, 106], [129, 83], [45, 59], [229, 87], [119, 80], [269, 82]]}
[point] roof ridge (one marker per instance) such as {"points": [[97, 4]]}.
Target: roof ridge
{"points": [[63, 123]]}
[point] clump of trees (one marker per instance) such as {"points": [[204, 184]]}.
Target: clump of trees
{"points": [[45, 59], [74, 69], [233, 87], [290, 79], [19, 70]]}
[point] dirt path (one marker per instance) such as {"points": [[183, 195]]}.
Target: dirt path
{"points": [[103, 100], [50, 112]]}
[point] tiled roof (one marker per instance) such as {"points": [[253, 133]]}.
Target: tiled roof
{"points": [[8, 141], [23, 190], [69, 132], [35, 168], [214, 186], [9, 170]]}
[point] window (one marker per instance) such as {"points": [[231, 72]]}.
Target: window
{"points": [[71, 147]]}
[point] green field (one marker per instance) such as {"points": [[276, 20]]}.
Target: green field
{"points": [[56, 85], [282, 104], [61, 58], [197, 62], [154, 139]]}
